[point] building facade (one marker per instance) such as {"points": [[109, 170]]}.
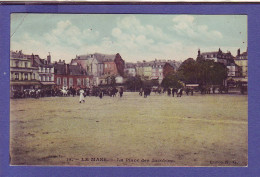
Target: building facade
{"points": [[23, 75], [242, 61], [45, 70], [70, 76], [157, 71], [130, 69], [100, 66], [226, 59]]}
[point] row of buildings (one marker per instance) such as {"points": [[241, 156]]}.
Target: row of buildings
{"points": [[31, 71], [237, 65]]}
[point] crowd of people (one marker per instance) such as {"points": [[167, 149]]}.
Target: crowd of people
{"points": [[59, 92], [100, 92], [170, 91], [112, 92]]}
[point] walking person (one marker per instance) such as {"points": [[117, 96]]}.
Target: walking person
{"points": [[169, 92], [100, 93], [181, 92], [81, 96], [121, 91], [173, 91], [141, 91]]}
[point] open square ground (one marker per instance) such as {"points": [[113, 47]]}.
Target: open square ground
{"points": [[199, 130]]}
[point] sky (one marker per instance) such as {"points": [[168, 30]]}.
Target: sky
{"points": [[135, 37]]}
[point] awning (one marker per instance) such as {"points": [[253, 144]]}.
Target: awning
{"points": [[48, 83], [154, 77], [241, 79], [24, 83], [192, 85]]}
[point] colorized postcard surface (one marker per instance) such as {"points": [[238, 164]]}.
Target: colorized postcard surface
{"points": [[156, 90]]}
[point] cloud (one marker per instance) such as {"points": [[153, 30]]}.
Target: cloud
{"points": [[185, 25], [67, 34], [177, 37]]}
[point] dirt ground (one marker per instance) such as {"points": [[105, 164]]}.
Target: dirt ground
{"points": [[199, 130]]}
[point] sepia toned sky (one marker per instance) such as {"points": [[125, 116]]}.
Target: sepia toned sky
{"points": [[135, 37]]}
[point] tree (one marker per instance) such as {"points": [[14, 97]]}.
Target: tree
{"points": [[171, 80], [133, 83], [188, 71], [203, 72]]}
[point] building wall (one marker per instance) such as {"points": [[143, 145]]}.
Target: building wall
{"points": [[72, 81], [130, 71], [110, 68], [140, 71], [147, 72], [210, 57], [21, 69], [90, 65], [22, 74], [46, 74], [100, 69], [244, 66]]}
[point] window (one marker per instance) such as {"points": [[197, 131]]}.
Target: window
{"points": [[50, 79], [26, 76], [65, 82], [16, 63], [87, 80], [58, 81], [16, 76], [46, 78], [105, 65], [33, 76], [70, 82], [79, 81], [25, 64]]}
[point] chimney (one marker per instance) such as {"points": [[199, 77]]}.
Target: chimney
{"points": [[49, 58], [238, 52], [67, 69], [32, 58]]}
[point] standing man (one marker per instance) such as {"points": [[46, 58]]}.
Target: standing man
{"points": [[169, 92], [81, 96], [141, 91], [173, 90], [121, 91]]}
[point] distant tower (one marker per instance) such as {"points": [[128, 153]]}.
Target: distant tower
{"points": [[198, 52], [199, 57], [238, 52], [49, 58]]}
